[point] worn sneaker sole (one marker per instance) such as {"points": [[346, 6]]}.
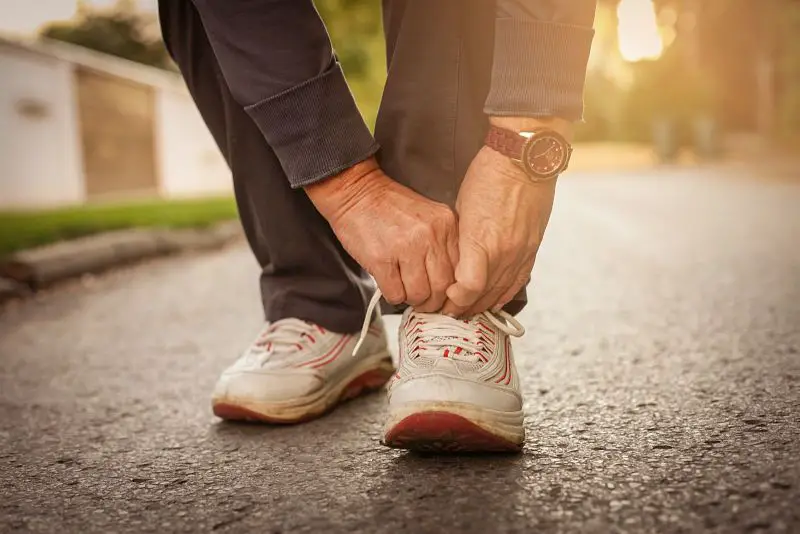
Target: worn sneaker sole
{"points": [[454, 427], [370, 375]]}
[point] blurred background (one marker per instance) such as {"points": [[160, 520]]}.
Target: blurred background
{"points": [[94, 116]]}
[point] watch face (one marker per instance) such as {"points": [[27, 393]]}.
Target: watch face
{"points": [[546, 155]]}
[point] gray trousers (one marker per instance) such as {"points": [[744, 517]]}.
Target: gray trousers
{"points": [[430, 125]]}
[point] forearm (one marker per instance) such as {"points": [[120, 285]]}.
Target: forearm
{"points": [[278, 62], [541, 52]]}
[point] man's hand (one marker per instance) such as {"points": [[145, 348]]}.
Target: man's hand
{"points": [[502, 219], [408, 243]]}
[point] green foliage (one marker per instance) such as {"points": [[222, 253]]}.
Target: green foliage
{"points": [[20, 230], [121, 32], [356, 31]]}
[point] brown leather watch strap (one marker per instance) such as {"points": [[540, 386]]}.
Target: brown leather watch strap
{"points": [[507, 142]]}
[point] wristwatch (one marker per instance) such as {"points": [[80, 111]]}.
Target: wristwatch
{"points": [[542, 153]]}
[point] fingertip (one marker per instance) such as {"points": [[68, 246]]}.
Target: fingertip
{"points": [[459, 297], [447, 310], [451, 309], [424, 308], [434, 304], [452, 291], [395, 299]]}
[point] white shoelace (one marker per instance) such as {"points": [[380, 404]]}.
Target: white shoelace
{"points": [[439, 331], [281, 338]]}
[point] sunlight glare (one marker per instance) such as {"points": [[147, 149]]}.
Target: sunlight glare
{"points": [[639, 36]]}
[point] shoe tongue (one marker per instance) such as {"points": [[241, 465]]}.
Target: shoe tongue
{"points": [[449, 346], [283, 335]]}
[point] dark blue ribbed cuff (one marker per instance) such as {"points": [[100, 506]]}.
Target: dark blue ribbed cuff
{"points": [[315, 128], [539, 69]]}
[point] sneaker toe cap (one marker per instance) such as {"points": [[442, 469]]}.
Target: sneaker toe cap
{"points": [[439, 387], [266, 386]]}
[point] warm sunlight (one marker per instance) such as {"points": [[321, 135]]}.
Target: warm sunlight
{"points": [[639, 37]]}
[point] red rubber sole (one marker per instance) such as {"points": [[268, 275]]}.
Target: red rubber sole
{"points": [[369, 381], [444, 432]]}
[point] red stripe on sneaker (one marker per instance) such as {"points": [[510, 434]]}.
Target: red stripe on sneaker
{"points": [[508, 359], [333, 356], [318, 359], [505, 372], [506, 378]]}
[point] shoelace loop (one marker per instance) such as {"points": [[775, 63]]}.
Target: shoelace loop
{"points": [[448, 327], [283, 337]]}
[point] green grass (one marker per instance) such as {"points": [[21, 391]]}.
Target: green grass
{"points": [[21, 230]]}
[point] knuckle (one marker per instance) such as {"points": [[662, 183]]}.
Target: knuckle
{"points": [[446, 217], [416, 296]]}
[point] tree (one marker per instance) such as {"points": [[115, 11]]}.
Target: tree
{"points": [[121, 31], [356, 31]]}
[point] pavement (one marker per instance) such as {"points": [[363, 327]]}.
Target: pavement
{"points": [[662, 373]]}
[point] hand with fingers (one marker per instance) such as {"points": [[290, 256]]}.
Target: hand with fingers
{"points": [[502, 218], [407, 242]]}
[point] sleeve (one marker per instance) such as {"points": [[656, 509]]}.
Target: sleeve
{"points": [[277, 60], [540, 58]]}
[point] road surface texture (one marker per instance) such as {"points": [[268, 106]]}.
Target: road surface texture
{"points": [[662, 372]]}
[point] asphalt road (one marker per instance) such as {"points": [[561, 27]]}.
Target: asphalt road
{"points": [[662, 371]]}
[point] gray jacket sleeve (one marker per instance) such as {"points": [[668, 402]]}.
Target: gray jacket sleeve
{"points": [[278, 62], [540, 57]]}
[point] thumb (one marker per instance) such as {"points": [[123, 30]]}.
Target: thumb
{"points": [[452, 245], [471, 278]]}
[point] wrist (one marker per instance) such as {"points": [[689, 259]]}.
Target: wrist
{"points": [[526, 124], [335, 195]]}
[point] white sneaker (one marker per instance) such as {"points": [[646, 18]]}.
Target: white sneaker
{"points": [[457, 388], [296, 371]]}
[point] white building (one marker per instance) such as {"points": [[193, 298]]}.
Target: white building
{"points": [[78, 126]]}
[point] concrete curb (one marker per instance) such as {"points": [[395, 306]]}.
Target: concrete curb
{"points": [[29, 270], [10, 289]]}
